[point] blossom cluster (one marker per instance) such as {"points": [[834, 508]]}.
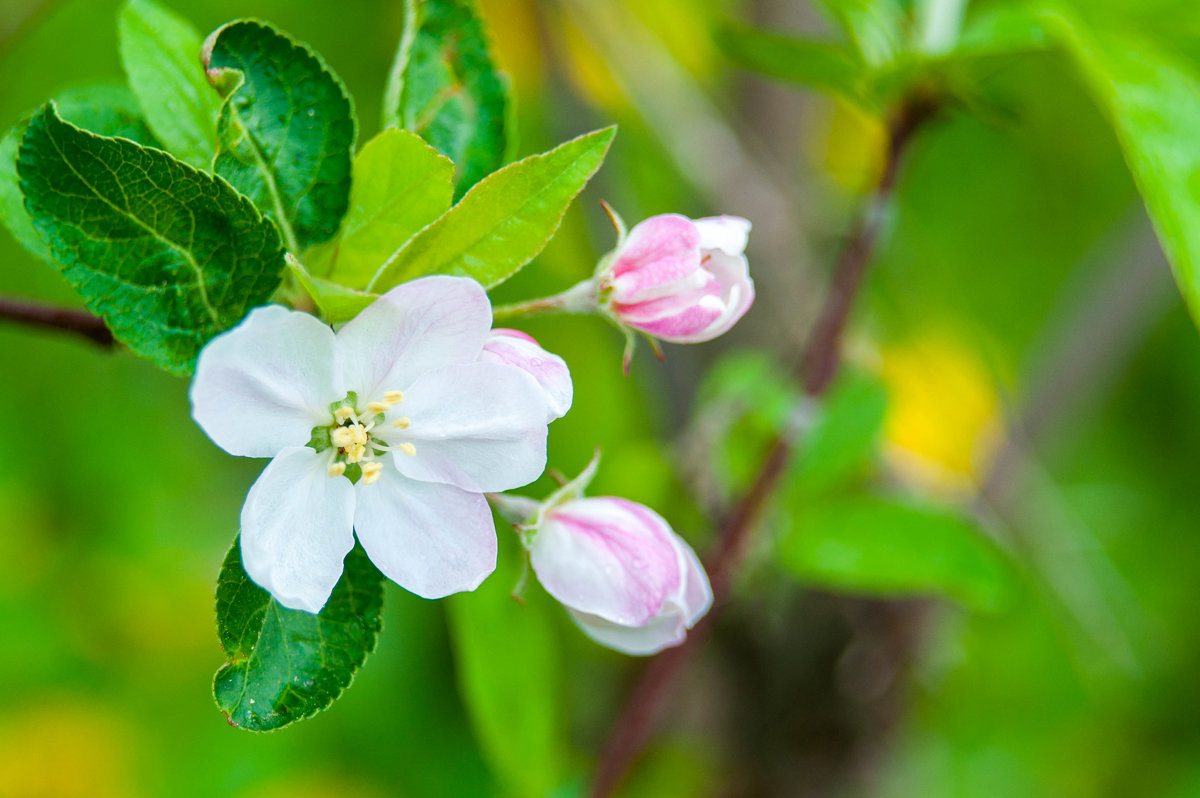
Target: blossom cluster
{"points": [[395, 429]]}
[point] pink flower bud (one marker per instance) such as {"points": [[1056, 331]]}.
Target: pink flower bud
{"points": [[515, 348], [627, 579], [681, 280]]}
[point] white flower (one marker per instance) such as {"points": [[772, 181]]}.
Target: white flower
{"points": [[399, 399], [518, 349]]}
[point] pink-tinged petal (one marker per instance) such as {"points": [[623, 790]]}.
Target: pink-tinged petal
{"points": [[264, 385], [607, 557], [658, 252], [431, 539], [639, 641], [515, 348], [480, 426], [419, 326], [737, 292], [728, 234], [297, 528], [697, 596]]}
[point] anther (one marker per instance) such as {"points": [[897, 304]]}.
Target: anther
{"points": [[394, 397], [371, 472], [374, 408], [343, 414], [342, 437], [408, 449], [336, 470], [403, 422]]}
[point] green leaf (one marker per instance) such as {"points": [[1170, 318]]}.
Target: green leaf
{"points": [[827, 66], [287, 665], [875, 26], [286, 130], [1154, 102], [504, 221], [337, 303], [1002, 29], [161, 54], [878, 546], [445, 87], [510, 677], [401, 184], [110, 110], [844, 434], [168, 255]]}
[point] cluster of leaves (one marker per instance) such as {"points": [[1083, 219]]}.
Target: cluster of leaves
{"points": [[225, 176]]}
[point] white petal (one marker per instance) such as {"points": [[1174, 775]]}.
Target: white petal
{"points": [[266, 383], [416, 327], [610, 558], [663, 632], [696, 597], [728, 234], [518, 349], [481, 426], [430, 539], [297, 528]]}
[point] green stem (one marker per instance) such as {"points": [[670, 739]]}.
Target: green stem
{"points": [[580, 298]]}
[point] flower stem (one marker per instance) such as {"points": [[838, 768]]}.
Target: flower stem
{"points": [[580, 298], [79, 322]]}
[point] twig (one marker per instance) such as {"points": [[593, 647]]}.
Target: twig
{"points": [[79, 322], [819, 365]]}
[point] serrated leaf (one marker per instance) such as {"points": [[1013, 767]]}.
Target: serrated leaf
{"points": [[510, 677], [830, 67], [286, 130], [337, 303], [504, 221], [110, 110], [445, 87], [401, 184], [287, 665], [1153, 100], [879, 546], [844, 434], [161, 55], [167, 255]]}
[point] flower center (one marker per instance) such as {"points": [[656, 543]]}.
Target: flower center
{"points": [[356, 439]]}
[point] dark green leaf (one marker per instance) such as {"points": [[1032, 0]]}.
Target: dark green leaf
{"points": [[161, 54], [286, 130], [110, 110], [504, 221], [445, 87], [872, 545], [827, 66], [510, 677], [287, 665], [167, 255]]}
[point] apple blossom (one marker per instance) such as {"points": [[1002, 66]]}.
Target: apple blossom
{"points": [[391, 429], [626, 578], [677, 279], [518, 349]]}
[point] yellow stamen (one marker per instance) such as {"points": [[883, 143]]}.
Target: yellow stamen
{"points": [[374, 408], [356, 453], [343, 414], [371, 472], [336, 470], [408, 449], [402, 422], [358, 434], [394, 397], [342, 437]]}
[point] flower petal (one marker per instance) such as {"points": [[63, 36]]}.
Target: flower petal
{"points": [[737, 291], [416, 327], [658, 252], [728, 234], [481, 426], [264, 385], [518, 349], [431, 539], [697, 596], [608, 557], [297, 528], [662, 632]]}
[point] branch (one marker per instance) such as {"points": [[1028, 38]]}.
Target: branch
{"points": [[819, 365], [79, 322]]}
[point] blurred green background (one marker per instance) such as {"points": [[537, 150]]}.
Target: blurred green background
{"points": [[1040, 369]]}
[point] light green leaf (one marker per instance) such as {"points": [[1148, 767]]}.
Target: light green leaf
{"points": [[287, 665], [875, 26], [445, 87], [504, 221], [826, 66], [110, 110], [337, 303], [510, 677], [844, 434], [1154, 102], [161, 54], [401, 184], [167, 255], [286, 130], [878, 546], [1002, 29]]}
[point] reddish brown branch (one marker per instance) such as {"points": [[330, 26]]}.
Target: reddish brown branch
{"points": [[79, 322], [819, 365]]}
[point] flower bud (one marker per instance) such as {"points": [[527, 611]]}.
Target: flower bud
{"points": [[627, 579], [515, 348], [680, 280]]}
